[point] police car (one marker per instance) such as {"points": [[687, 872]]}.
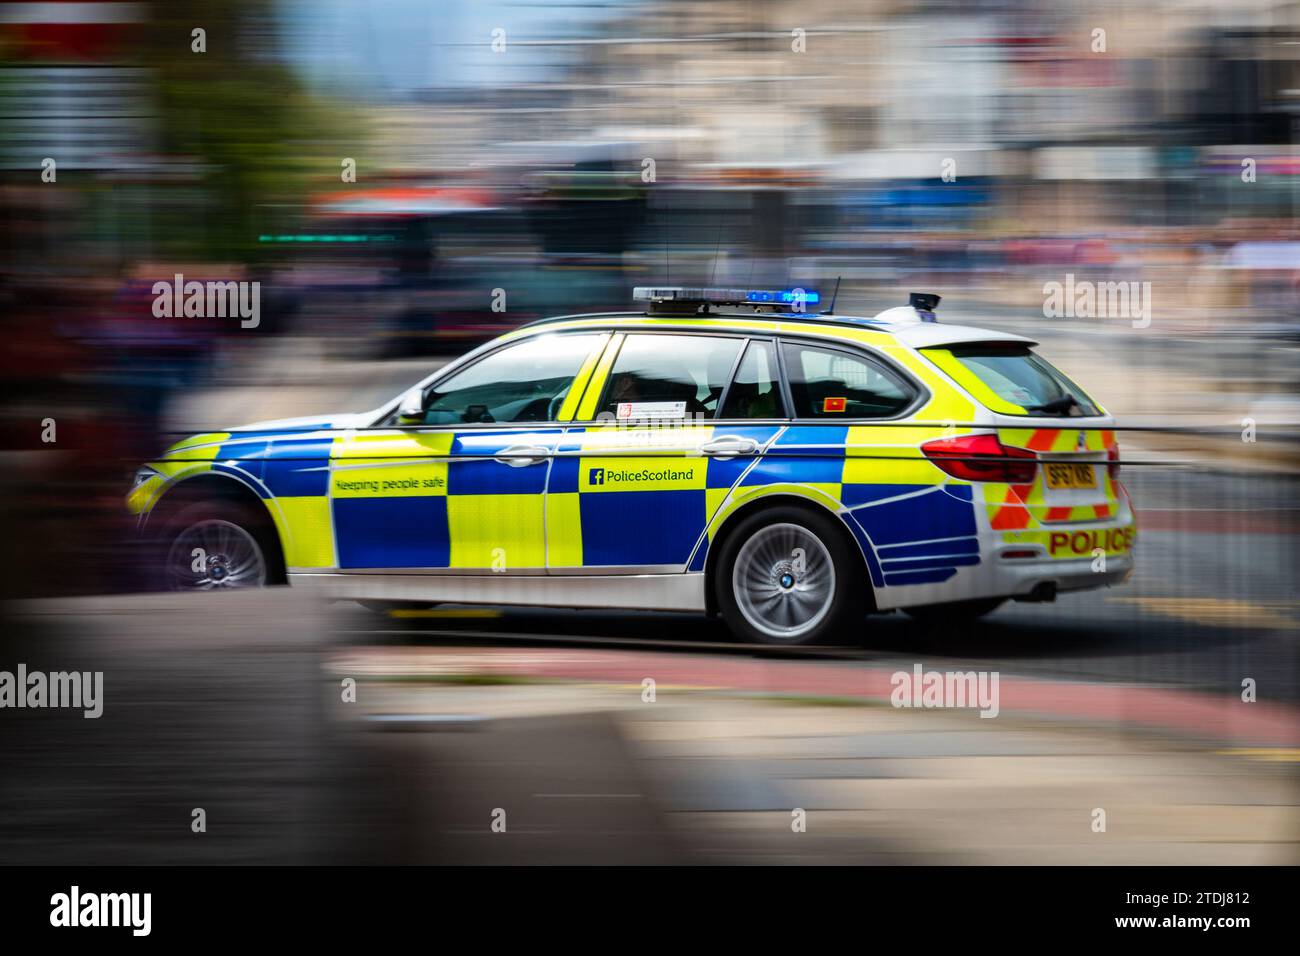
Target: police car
{"points": [[721, 451]]}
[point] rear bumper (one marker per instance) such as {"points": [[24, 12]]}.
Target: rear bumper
{"points": [[1026, 577], [1030, 565]]}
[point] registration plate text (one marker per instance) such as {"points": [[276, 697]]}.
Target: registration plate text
{"points": [[1070, 476]]}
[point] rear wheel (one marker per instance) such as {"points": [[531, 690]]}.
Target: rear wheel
{"points": [[787, 576], [218, 545]]}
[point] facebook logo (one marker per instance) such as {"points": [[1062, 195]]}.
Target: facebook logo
{"points": [[596, 476]]}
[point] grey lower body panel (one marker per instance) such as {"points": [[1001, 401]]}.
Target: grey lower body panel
{"points": [[651, 592]]}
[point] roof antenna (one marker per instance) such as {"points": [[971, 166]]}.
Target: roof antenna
{"points": [[834, 296]]}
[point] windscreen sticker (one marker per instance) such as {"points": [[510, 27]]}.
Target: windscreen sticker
{"points": [[651, 410], [834, 404]]}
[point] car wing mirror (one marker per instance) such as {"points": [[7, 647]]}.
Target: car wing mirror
{"points": [[410, 410]]}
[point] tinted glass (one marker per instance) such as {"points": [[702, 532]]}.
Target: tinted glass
{"points": [[521, 383], [755, 392], [1018, 376], [827, 383], [669, 376]]}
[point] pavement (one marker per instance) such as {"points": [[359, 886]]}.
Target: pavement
{"points": [[237, 704], [731, 750], [1134, 707], [723, 779]]}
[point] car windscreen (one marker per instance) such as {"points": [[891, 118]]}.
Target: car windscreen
{"points": [[1011, 378]]}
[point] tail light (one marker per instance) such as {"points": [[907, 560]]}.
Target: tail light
{"points": [[982, 458], [1112, 458]]}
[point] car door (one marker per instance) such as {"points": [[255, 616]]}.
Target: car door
{"points": [[462, 488], [638, 476]]}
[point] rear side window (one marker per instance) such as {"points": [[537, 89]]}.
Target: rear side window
{"points": [[1010, 378], [828, 383], [669, 376]]}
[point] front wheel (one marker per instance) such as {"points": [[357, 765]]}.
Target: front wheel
{"points": [[787, 576], [218, 546]]}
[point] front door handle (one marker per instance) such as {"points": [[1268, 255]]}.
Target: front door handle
{"points": [[729, 446], [520, 456]]}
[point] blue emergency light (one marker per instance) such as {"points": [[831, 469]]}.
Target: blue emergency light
{"points": [[795, 295], [679, 299]]}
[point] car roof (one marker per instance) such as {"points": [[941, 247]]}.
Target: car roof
{"points": [[912, 334]]}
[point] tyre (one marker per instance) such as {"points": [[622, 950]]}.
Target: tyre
{"points": [[218, 545], [955, 612], [787, 576]]}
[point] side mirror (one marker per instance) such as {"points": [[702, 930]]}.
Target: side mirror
{"points": [[411, 409]]}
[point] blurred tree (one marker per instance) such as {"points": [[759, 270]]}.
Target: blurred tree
{"points": [[227, 100]]}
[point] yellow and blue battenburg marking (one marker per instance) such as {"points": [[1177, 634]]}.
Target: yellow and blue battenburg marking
{"points": [[596, 496], [614, 497], [623, 497], [440, 500]]}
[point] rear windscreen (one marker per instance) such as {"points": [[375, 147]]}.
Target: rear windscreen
{"points": [[1012, 379]]}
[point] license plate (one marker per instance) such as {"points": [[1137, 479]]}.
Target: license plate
{"points": [[1070, 476]]}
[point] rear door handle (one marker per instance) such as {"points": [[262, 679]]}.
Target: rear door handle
{"points": [[729, 446], [520, 456]]}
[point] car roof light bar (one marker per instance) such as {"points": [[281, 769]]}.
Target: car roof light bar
{"points": [[680, 300]]}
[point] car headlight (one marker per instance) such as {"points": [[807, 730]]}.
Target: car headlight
{"points": [[142, 475]]}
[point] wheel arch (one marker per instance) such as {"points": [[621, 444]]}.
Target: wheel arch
{"points": [[206, 486], [732, 519], [210, 486]]}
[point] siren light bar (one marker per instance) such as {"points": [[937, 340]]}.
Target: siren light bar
{"points": [[677, 298]]}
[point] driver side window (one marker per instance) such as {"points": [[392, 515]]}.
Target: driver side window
{"points": [[669, 376], [526, 382]]}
